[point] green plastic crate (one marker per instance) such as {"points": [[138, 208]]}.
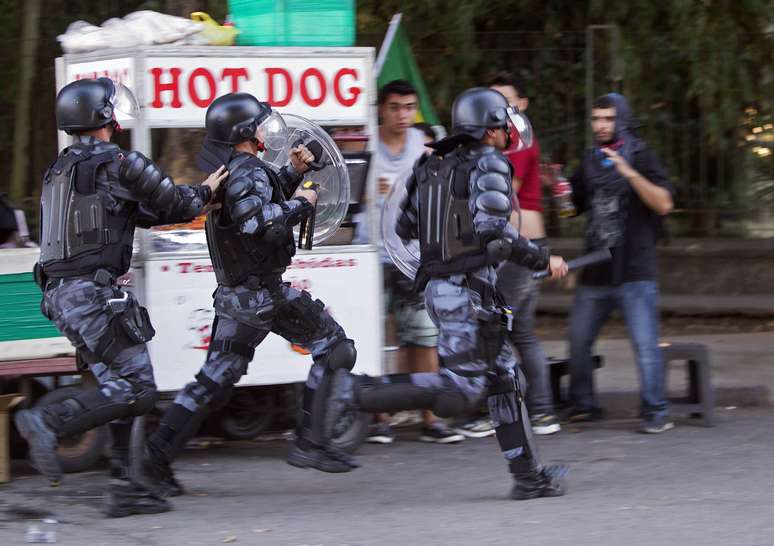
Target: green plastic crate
{"points": [[20, 316], [294, 22]]}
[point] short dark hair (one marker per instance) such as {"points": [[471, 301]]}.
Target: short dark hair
{"points": [[604, 102], [505, 78], [395, 87], [426, 129]]}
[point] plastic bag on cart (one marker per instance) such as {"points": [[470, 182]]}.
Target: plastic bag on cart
{"points": [[136, 29]]}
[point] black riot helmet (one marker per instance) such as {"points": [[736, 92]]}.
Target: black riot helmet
{"points": [[85, 105], [481, 108], [238, 117]]}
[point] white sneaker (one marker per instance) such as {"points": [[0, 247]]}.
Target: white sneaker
{"points": [[480, 428], [405, 419]]}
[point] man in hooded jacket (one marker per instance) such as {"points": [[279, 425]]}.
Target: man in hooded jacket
{"points": [[624, 190]]}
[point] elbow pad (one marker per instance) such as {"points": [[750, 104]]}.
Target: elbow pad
{"points": [[147, 182], [520, 251]]}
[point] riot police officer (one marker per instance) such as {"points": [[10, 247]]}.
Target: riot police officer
{"points": [[93, 197], [251, 244], [458, 205]]}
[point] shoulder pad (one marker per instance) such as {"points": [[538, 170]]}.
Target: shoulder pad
{"points": [[131, 167], [494, 163], [494, 202], [493, 182], [243, 161], [238, 188], [243, 209]]}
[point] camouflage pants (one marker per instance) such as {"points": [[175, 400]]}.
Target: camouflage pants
{"points": [[79, 310], [458, 388], [244, 317], [247, 316]]}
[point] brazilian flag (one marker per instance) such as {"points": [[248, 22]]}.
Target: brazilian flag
{"points": [[396, 62]]}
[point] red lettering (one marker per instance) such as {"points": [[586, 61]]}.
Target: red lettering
{"points": [[313, 73], [234, 74], [184, 266], [173, 86], [353, 91], [271, 99], [197, 100]]}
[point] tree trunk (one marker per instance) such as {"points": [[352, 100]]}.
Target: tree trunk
{"points": [[22, 128]]}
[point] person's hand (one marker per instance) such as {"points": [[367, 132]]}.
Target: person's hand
{"points": [[384, 185], [557, 266], [308, 194], [300, 158], [620, 163], [214, 180]]}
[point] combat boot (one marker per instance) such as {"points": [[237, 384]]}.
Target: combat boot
{"points": [[327, 459], [546, 482], [125, 498], [42, 440], [152, 472]]}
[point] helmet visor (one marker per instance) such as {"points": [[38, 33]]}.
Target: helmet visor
{"points": [[124, 103], [522, 126], [273, 132]]}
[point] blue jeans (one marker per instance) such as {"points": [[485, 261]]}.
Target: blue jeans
{"points": [[638, 303]]}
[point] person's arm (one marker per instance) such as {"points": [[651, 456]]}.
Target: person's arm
{"points": [[651, 187], [142, 181], [292, 174]]}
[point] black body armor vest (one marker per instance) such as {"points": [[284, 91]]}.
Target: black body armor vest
{"points": [[236, 256], [447, 236], [82, 226]]}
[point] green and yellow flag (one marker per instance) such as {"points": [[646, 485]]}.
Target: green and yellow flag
{"points": [[396, 62]]}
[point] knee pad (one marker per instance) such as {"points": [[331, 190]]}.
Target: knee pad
{"points": [[342, 356], [144, 401]]}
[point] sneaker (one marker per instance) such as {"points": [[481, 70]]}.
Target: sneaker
{"points": [[546, 482], [326, 459], [582, 415], [42, 441], [405, 419], [124, 498], [656, 425], [439, 433], [380, 433], [480, 428], [545, 423]]}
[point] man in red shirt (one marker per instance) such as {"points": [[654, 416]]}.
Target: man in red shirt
{"points": [[515, 282]]}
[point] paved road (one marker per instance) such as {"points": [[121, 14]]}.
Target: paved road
{"points": [[692, 486]]}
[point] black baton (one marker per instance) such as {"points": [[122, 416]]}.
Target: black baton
{"points": [[598, 256], [306, 229]]}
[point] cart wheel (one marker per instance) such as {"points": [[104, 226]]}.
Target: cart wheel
{"points": [[249, 413], [82, 451]]}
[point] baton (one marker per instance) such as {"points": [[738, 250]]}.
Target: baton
{"points": [[306, 229], [598, 256]]}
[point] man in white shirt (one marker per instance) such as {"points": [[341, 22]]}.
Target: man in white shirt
{"points": [[398, 148]]}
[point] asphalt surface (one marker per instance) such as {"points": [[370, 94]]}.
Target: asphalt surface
{"points": [[690, 486]]}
